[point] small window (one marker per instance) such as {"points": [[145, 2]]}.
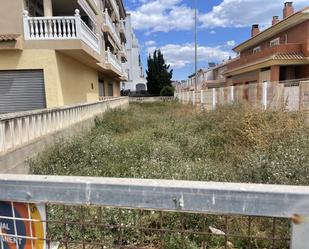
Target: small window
{"points": [[257, 49], [274, 42]]}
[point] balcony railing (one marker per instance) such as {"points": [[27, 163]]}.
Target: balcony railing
{"points": [[116, 8], [125, 74], [112, 27], [60, 28], [96, 2], [121, 27], [111, 59], [282, 48], [17, 129], [93, 212]]}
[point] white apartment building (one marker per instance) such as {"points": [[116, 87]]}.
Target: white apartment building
{"points": [[133, 66]]}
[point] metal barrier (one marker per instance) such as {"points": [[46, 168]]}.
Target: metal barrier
{"points": [[84, 212]]}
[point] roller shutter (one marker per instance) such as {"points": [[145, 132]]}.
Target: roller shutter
{"points": [[21, 90]]}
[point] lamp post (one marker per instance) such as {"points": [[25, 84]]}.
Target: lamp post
{"points": [[195, 41]]}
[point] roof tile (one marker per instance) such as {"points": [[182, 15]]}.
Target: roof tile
{"points": [[8, 37]]}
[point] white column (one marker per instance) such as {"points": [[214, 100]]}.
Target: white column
{"points": [[193, 99], [2, 136], [214, 98], [232, 93], [78, 24], [265, 88], [48, 8], [26, 25]]}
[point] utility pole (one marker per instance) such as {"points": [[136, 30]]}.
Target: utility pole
{"points": [[195, 38]]}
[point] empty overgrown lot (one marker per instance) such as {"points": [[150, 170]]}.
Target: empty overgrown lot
{"points": [[235, 143]]}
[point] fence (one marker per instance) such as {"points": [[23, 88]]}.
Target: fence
{"points": [[292, 95], [84, 212], [17, 129], [151, 99]]}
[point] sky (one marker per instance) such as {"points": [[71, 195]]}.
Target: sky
{"points": [[222, 24]]}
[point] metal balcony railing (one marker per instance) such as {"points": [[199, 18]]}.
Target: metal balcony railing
{"points": [[134, 213], [60, 28]]}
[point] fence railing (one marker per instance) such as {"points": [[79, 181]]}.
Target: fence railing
{"points": [[289, 95], [135, 213], [17, 129], [152, 99], [60, 28]]}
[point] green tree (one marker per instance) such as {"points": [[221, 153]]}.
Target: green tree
{"points": [[159, 74]]}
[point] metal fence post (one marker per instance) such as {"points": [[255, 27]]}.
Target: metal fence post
{"points": [[300, 232], [265, 89]]}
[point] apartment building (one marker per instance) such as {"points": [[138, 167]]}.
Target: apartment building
{"points": [[133, 67], [55, 53], [279, 53], [212, 77]]}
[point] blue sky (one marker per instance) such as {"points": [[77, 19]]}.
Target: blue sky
{"points": [[168, 25]]}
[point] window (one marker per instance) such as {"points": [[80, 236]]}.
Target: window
{"points": [[274, 42], [257, 49]]}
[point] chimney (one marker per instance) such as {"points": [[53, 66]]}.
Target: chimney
{"points": [[255, 30], [288, 9], [275, 20]]}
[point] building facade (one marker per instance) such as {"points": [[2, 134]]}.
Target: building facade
{"points": [[55, 53], [133, 67], [279, 53]]}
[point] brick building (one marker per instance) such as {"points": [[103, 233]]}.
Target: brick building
{"points": [[279, 53]]}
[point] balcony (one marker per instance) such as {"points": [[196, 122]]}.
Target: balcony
{"points": [[123, 53], [110, 27], [122, 31], [96, 2], [60, 28], [115, 8], [264, 54], [125, 75], [112, 60]]}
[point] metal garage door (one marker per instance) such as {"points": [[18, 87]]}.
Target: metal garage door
{"points": [[21, 90]]}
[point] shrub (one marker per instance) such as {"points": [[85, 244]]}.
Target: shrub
{"points": [[167, 91], [235, 143]]}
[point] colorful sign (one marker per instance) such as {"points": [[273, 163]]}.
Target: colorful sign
{"points": [[22, 226]]}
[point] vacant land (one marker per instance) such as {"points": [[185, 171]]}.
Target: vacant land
{"points": [[173, 141]]}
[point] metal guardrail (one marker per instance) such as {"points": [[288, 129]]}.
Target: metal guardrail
{"points": [[283, 203]]}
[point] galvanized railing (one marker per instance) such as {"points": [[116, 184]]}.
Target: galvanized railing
{"points": [[84, 212]]}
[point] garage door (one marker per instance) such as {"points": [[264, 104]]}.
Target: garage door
{"points": [[21, 90]]}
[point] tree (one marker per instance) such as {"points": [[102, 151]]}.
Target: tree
{"points": [[159, 74]]}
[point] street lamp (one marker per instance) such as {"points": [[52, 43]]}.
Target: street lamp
{"points": [[195, 38]]}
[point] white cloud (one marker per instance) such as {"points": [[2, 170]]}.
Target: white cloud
{"points": [[179, 56], [230, 43], [150, 43], [162, 15], [244, 13], [166, 15], [212, 32]]}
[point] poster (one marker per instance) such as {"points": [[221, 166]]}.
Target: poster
{"points": [[22, 226]]}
